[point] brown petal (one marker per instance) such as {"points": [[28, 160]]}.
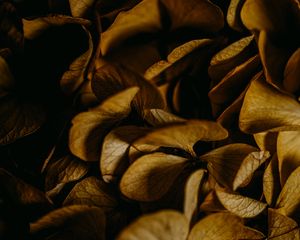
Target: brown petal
{"points": [[289, 198], [228, 58], [249, 165], [241, 206], [179, 135], [35, 27], [292, 73], [32, 201], [211, 203], [266, 141], [261, 15], [233, 15], [266, 108], [167, 224], [112, 78], [159, 117], [89, 127], [230, 116], [73, 78], [143, 18], [282, 227], [176, 55], [231, 86], [194, 14], [271, 181], [191, 194], [80, 8], [288, 153], [19, 119], [67, 169], [93, 192], [81, 221], [223, 226], [273, 58], [151, 176], [225, 162], [113, 161]]}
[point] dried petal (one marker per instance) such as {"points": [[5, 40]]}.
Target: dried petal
{"points": [[167, 224], [151, 176], [223, 226], [90, 127], [71, 221], [266, 108], [292, 73], [115, 146], [66, 169], [225, 162], [179, 135], [289, 198], [288, 153], [241, 206], [271, 181], [93, 192], [282, 227], [191, 194]]}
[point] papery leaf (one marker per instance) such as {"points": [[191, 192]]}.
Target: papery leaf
{"points": [[211, 203], [167, 224], [93, 192], [35, 27], [137, 56], [145, 17], [261, 15], [80, 8], [159, 117], [249, 165], [292, 73], [233, 14], [271, 181], [230, 115], [288, 201], [18, 119], [179, 135], [6, 79], [288, 153], [228, 58], [156, 69], [178, 54], [113, 159], [72, 222], [274, 65], [202, 14], [65, 170], [191, 194], [244, 207], [151, 176], [75, 76], [89, 127], [224, 163], [112, 78], [31, 200], [266, 108], [266, 141], [223, 226], [233, 84], [282, 227]]}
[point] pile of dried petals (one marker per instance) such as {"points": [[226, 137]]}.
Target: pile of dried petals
{"points": [[149, 119]]}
